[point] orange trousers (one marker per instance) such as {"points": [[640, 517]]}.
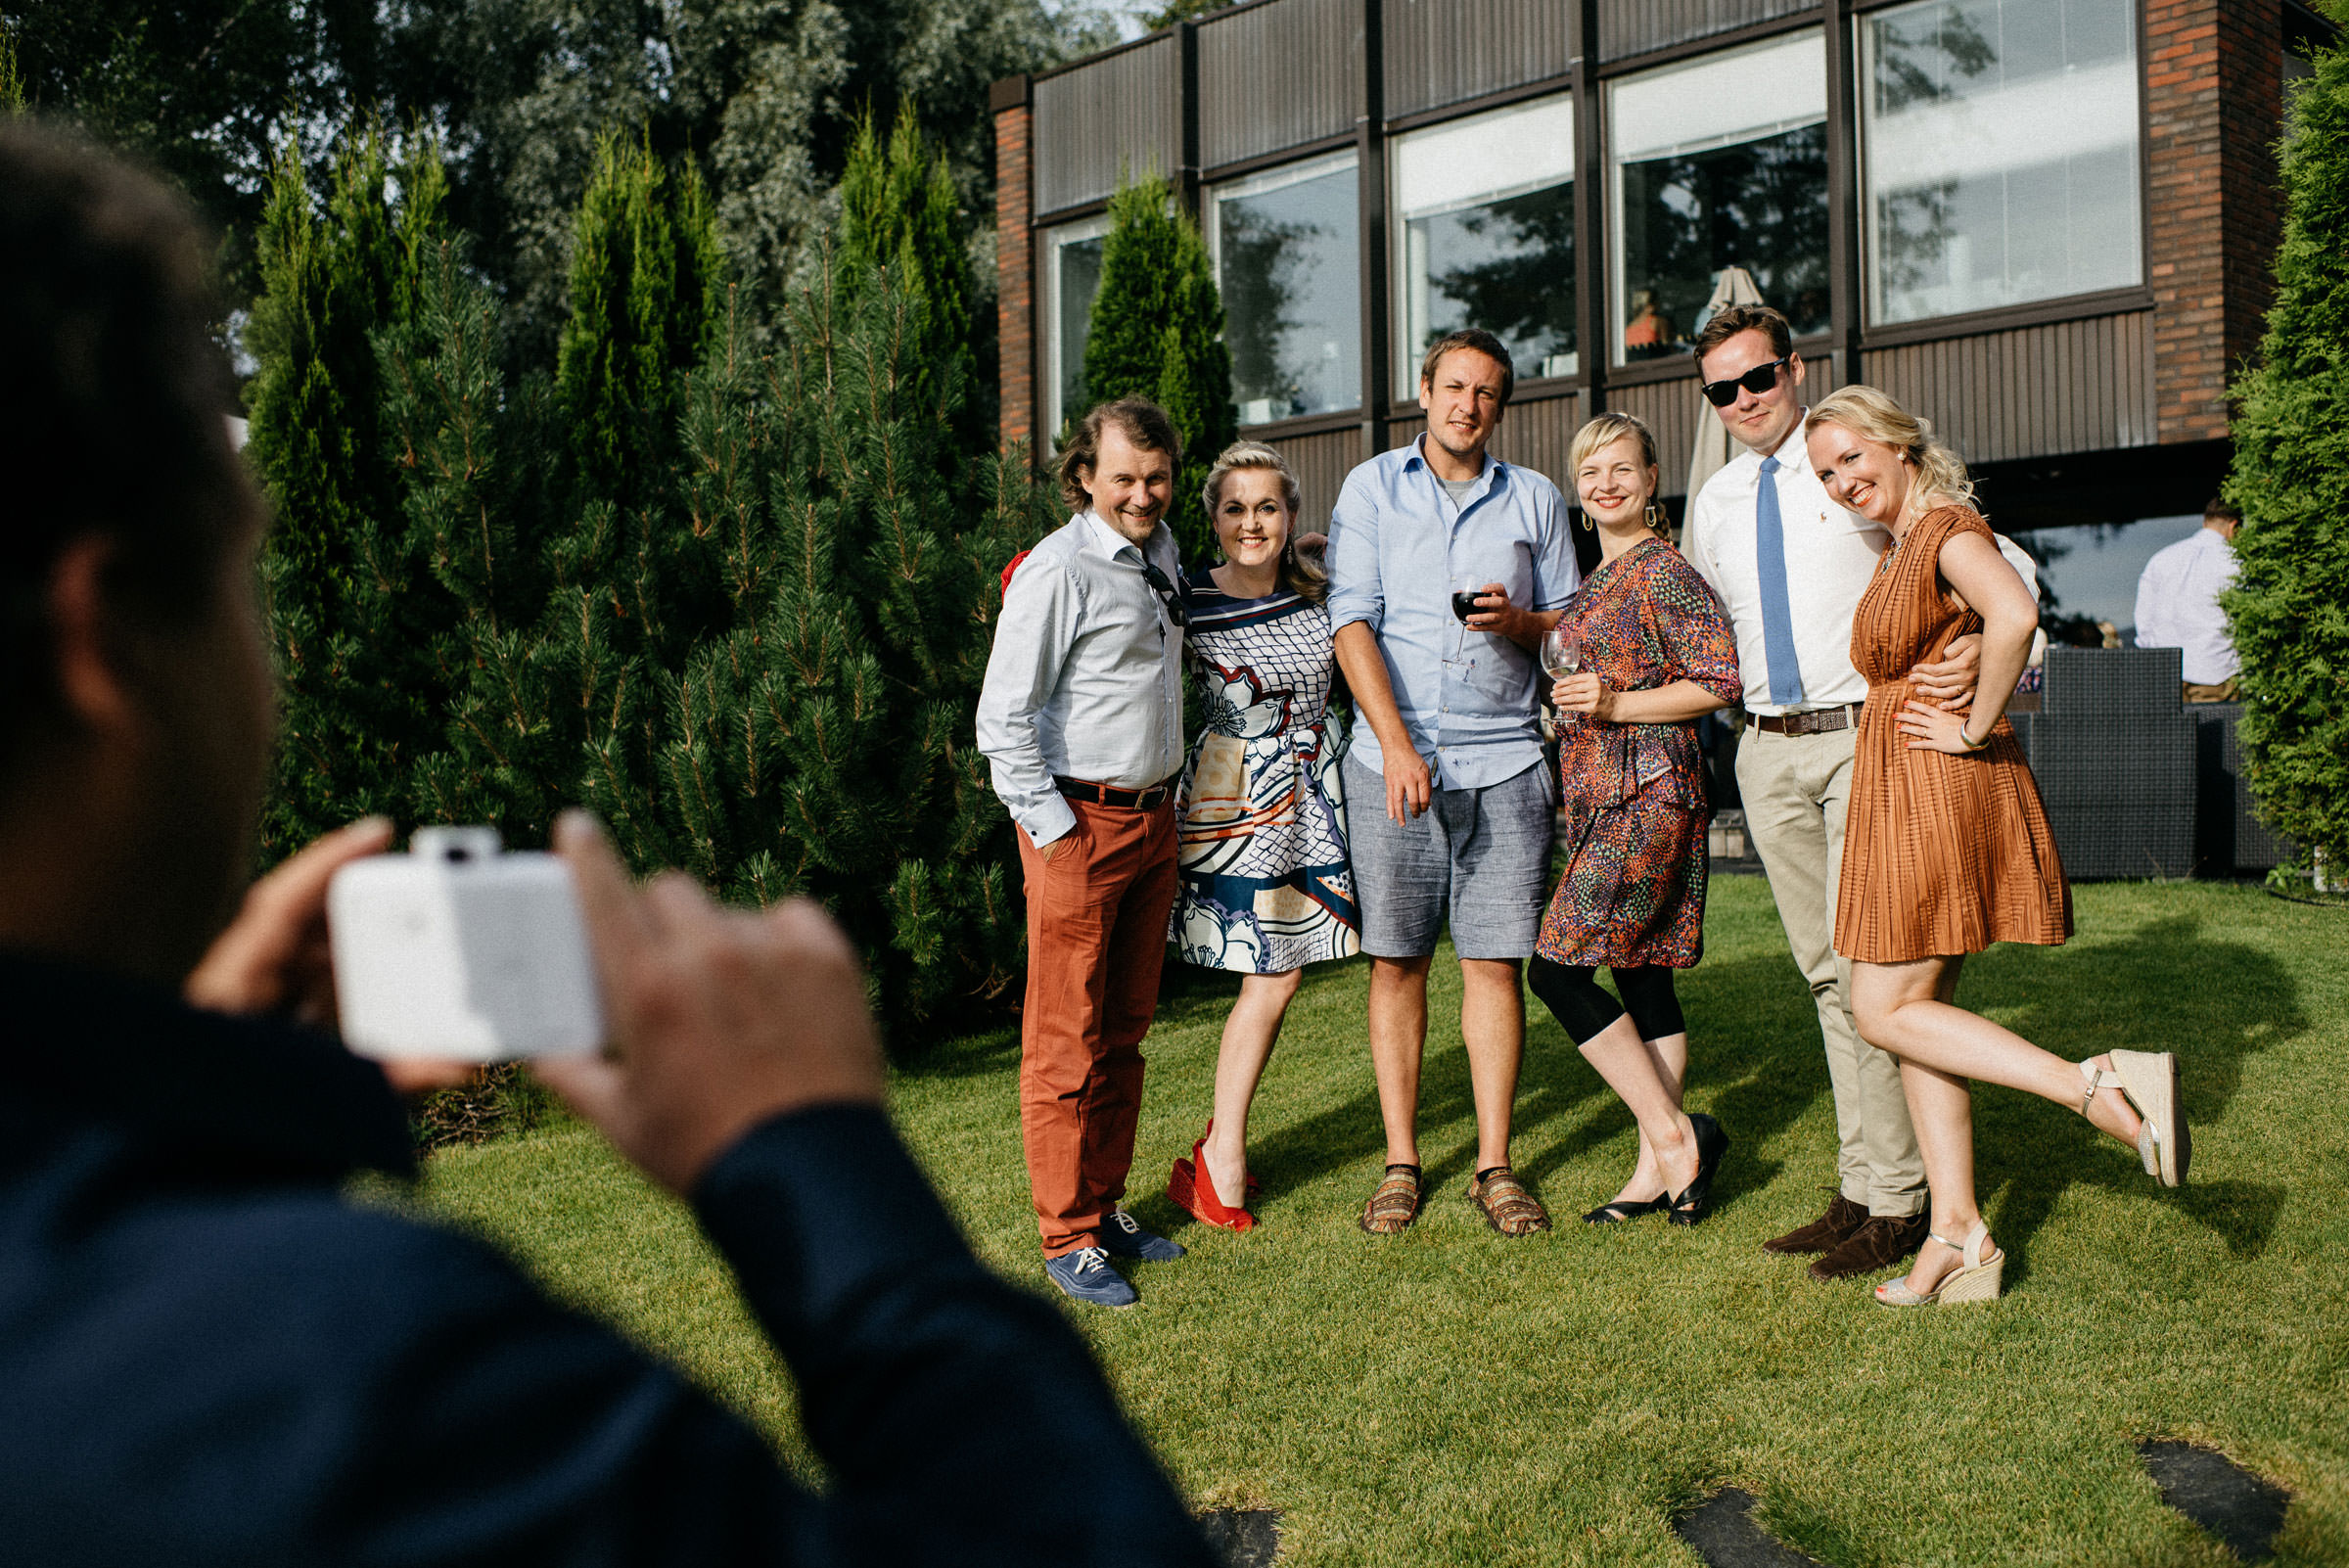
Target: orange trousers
{"points": [[1097, 936]]}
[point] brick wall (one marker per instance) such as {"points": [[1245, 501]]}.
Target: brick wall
{"points": [[2213, 102], [1015, 260]]}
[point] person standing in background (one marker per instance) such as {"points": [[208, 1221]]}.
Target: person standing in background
{"points": [[2177, 604], [1080, 719]]}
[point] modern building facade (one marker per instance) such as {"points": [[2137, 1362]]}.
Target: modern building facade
{"points": [[2047, 224]]}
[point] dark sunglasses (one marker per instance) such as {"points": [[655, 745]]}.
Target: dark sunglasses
{"points": [[1177, 603], [1759, 380]]}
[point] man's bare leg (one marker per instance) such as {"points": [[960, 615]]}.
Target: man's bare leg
{"points": [[1493, 1027], [1398, 1040]]}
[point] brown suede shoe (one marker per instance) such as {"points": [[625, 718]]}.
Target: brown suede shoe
{"points": [[1824, 1233], [1882, 1241]]}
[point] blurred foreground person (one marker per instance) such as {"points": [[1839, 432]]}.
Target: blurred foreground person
{"points": [[1949, 847], [206, 1354]]}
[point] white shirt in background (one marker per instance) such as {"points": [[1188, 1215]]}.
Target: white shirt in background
{"points": [[1831, 557], [2178, 605]]}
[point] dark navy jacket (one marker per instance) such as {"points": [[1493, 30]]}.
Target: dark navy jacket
{"points": [[208, 1356]]}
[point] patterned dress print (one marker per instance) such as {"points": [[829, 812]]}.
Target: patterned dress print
{"points": [[1260, 815], [1941, 854], [1634, 794]]}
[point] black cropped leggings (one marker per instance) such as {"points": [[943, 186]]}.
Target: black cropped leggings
{"points": [[1572, 994]]}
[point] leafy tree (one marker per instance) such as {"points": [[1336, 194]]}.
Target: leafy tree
{"points": [[1157, 332], [205, 90], [355, 640], [1175, 10], [2290, 607], [12, 80]]}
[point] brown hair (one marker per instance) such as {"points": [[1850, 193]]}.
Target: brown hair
{"points": [[1483, 342], [2222, 509], [1304, 577], [1864, 411], [113, 409], [1144, 423], [1731, 320]]}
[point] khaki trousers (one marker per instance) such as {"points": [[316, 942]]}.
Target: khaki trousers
{"points": [[1096, 938], [1796, 788]]}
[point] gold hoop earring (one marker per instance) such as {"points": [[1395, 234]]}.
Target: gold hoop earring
{"points": [[1655, 517], [1589, 526]]}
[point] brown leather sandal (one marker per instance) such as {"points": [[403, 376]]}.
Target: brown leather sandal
{"points": [[1508, 1205], [1396, 1202]]}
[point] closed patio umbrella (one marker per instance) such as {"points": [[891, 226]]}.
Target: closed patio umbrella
{"points": [[1730, 286]]}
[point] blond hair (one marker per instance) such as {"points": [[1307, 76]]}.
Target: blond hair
{"points": [[1867, 412], [1298, 575]]}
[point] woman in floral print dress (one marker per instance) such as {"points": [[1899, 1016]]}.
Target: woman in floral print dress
{"points": [[1657, 653]]}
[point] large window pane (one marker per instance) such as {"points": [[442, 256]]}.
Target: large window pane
{"points": [[2001, 143], [1287, 249], [1720, 163], [1072, 277], [1484, 236]]}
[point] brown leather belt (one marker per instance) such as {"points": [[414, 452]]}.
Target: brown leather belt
{"points": [[1815, 722], [1143, 800]]}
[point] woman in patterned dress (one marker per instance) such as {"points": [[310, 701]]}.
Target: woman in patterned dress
{"points": [[1656, 654], [1948, 849], [1265, 888]]}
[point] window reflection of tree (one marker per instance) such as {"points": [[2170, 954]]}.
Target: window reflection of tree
{"points": [[1523, 292], [1759, 205], [1260, 256], [1917, 62]]}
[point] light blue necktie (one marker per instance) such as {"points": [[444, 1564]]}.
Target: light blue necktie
{"points": [[1777, 616]]}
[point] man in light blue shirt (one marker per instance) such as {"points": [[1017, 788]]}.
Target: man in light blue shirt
{"points": [[1452, 808]]}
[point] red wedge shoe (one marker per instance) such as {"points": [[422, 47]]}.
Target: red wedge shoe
{"points": [[1193, 1189]]}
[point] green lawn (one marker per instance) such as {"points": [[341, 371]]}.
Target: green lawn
{"points": [[1448, 1397]]}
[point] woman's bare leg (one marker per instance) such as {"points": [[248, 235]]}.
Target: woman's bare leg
{"points": [[1908, 1010], [1647, 1079], [1249, 1034]]}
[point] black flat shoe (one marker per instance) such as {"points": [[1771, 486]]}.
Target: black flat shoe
{"points": [[1622, 1208], [1711, 1144]]}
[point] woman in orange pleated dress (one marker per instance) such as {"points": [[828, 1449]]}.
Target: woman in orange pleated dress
{"points": [[1947, 849]]}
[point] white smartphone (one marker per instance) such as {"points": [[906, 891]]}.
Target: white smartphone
{"points": [[460, 950]]}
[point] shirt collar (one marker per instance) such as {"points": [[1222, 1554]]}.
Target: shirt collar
{"points": [[1110, 542], [97, 1048], [1416, 456]]}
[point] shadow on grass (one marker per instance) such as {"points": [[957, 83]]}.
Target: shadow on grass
{"points": [[2168, 987]]}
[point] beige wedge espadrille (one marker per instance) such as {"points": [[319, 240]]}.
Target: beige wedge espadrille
{"points": [[1974, 1279], [2149, 1080]]}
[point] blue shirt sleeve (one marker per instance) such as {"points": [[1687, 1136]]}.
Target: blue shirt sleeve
{"points": [[1356, 592], [1556, 571]]}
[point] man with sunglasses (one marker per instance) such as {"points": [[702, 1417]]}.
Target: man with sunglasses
{"points": [[1790, 566], [1080, 717]]}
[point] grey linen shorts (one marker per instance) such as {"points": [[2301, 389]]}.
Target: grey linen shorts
{"points": [[1480, 856]]}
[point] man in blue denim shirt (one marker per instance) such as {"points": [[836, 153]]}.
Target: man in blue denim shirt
{"points": [[1449, 746]]}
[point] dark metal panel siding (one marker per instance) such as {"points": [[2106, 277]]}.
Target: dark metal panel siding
{"points": [[2030, 391], [1278, 75], [1536, 436], [1321, 464], [1636, 26], [1669, 409], [1094, 123], [1443, 51]]}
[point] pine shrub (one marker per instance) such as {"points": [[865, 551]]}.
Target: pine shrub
{"points": [[355, 638], [1157, 332], [2290, 607]]}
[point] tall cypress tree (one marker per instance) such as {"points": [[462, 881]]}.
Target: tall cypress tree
{"points": [[352, 637], [1157, 332], [901, 220], [2290, 607]]}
